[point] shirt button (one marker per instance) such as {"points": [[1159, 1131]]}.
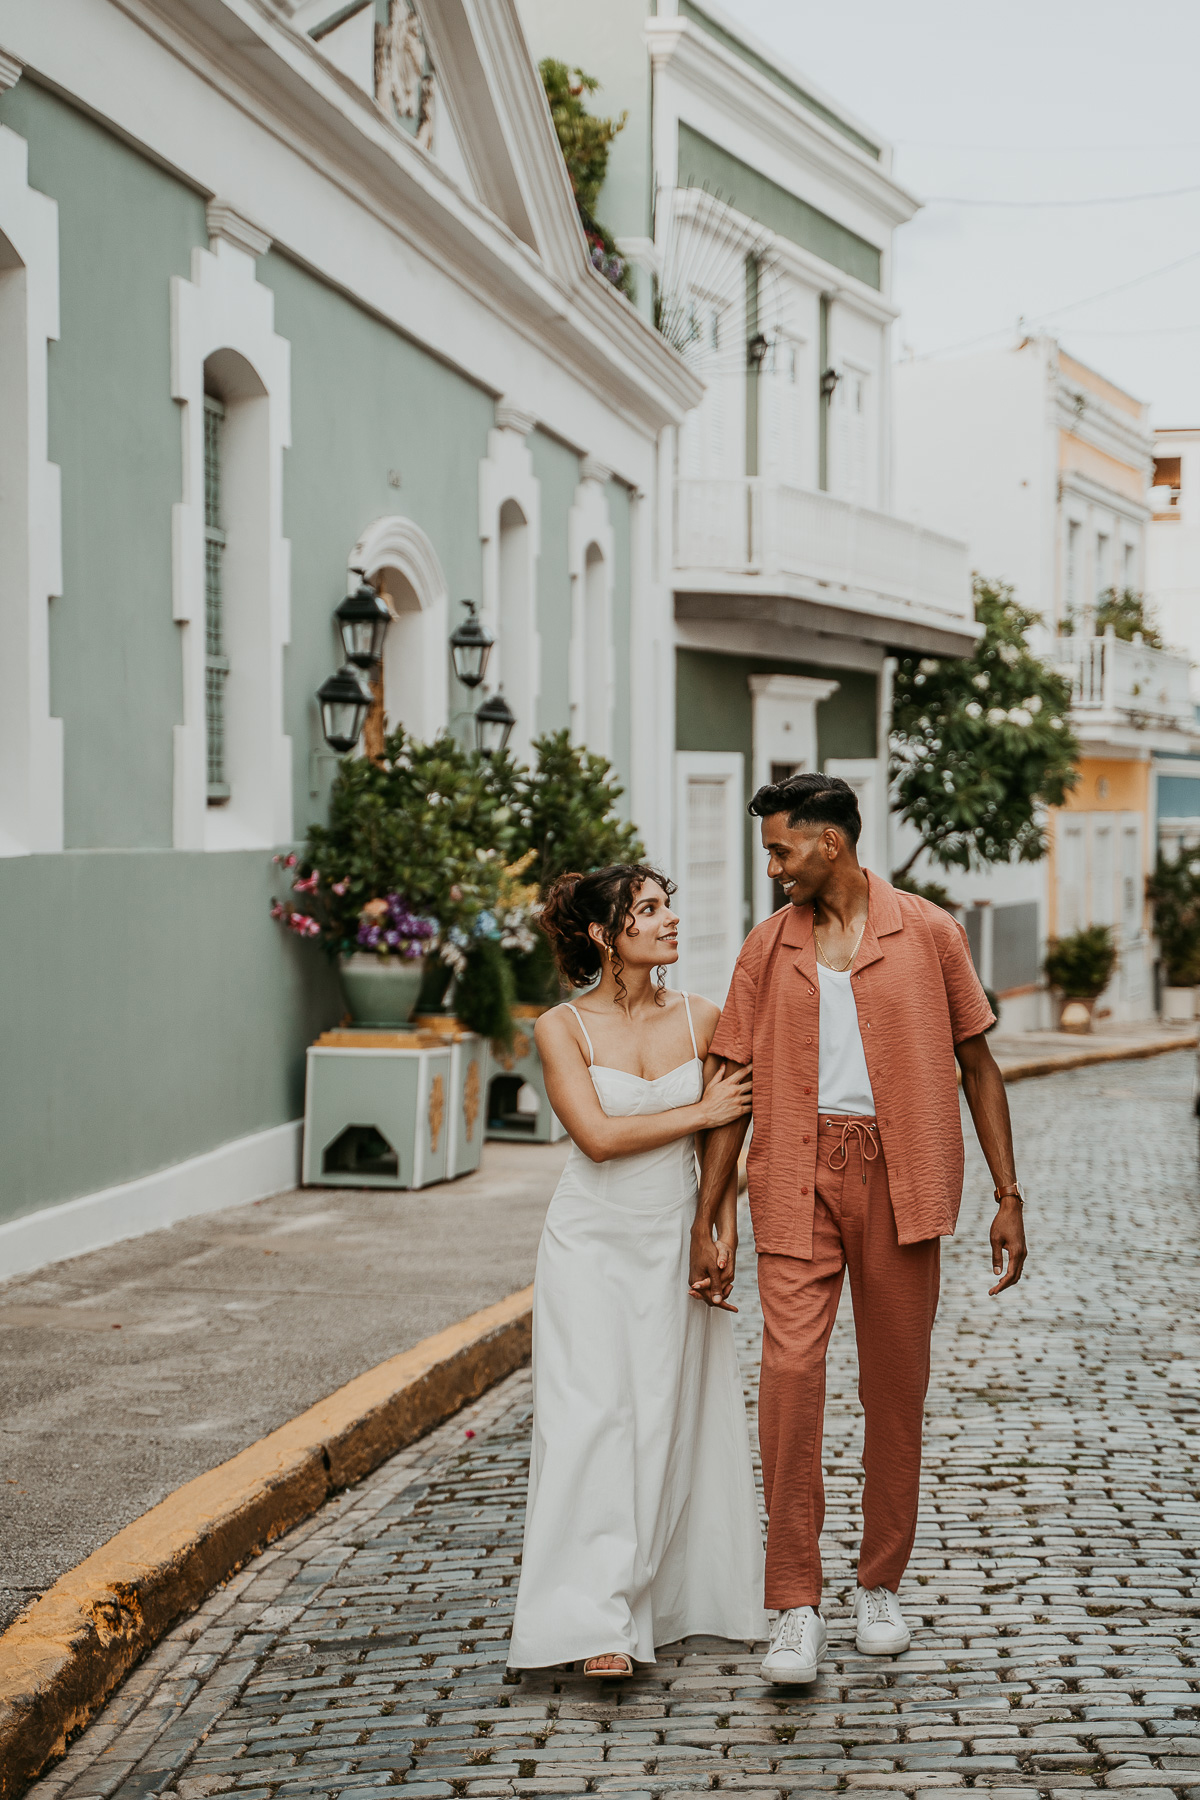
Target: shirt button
{"points": [[806, 1137], [804, 1190], [808, 1090], [808, 1040]]}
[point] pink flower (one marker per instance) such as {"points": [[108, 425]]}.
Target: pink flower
{"points": [[289, 862], [456, 892], [308, 886], [339, 887]]}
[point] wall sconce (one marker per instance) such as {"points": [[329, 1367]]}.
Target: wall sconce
{"points": [[756, 351], [470, 646], [345, 700], [829, 380], [494, 721], [362, 618]]}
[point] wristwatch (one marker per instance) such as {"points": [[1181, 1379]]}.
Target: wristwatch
{"points": [[1012, 1190]]}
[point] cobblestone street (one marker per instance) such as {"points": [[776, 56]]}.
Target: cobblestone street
{"points": [[1053, 1589]]}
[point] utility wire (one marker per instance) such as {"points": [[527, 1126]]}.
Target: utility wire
{"points": [[1097, 200]]}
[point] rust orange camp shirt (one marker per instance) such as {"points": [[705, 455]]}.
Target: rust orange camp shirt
{"points": [[917, 995]]}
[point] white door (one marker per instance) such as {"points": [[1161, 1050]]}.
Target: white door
{"points": [[1071, 873], [785, 743], [867, 776], [710, 829]]}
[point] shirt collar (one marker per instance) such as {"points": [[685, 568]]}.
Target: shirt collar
{"points": [[883, 918]]}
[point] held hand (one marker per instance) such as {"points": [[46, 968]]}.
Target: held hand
{"points": [[1008, 1234], [727, 1097], [710, 1276]]}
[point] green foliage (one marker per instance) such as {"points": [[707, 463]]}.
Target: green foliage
{"points": [[584, 141], [927, 890], [1126, 612], [484, 992], [567, 811], [1081, 965], [536, 975], [1174, 893], [432, 822], [981, 744], [583, 138]]}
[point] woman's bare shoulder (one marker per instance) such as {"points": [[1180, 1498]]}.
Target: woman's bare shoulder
{"points": [[704, 1017], [556, 1028]]}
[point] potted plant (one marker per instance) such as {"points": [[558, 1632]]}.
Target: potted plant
{"points": [[1080, 966], [1174, 893], [381, 949]]}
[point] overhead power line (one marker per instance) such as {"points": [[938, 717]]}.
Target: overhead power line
{"points": [[1095, 200]]}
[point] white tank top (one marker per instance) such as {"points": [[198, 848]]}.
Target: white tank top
{"points": [[843, 1084]]}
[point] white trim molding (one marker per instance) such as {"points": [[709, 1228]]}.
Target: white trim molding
{"points": [[249, 1168], [416, 685], [31, 742], [590, 550], [11, 71], [510, 527], [784, 710], [222, 326]]}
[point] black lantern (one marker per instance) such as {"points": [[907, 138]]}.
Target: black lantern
{"points": [[362, 619], [756, 350], [829, 380], [470, 646], [494, 721], [345, 701]]}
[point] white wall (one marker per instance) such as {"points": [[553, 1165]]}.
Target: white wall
{"points": [[1173, 554]]}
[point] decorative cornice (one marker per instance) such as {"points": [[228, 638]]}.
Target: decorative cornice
{"points": [[514, 418], [698, 60], [10, 71], [592, 469], [223, 222]]}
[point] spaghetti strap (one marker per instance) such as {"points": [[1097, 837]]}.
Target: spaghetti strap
{"points": [[688, 1006], [584, 1029]]}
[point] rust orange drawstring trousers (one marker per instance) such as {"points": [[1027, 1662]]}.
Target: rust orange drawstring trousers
{"points": [[894, 1289]]}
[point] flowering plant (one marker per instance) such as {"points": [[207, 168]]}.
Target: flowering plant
{"points": [[390, 928]]}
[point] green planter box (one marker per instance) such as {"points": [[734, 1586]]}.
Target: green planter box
{"points": [[514, 1080]]}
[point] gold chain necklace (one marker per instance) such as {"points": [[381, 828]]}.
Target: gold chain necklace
{"points": [[846, 965]]}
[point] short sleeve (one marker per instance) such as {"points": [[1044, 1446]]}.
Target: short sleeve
{"points": [[734, 1036], [970, 1013]]}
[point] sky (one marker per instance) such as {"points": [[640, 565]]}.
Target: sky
{"points": [[1032, 100]]}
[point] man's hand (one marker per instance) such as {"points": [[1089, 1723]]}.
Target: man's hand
{"points": [[1008, 1233], [711, 1271]]}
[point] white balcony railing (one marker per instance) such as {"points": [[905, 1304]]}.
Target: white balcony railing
{"points": [[754, 527], [1112, 678]]}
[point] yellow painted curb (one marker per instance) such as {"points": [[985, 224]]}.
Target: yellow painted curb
{"points": [[62, 1658], [1056, 1060]]}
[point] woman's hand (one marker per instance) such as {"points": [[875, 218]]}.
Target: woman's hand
{"points": [[726, 1098]]}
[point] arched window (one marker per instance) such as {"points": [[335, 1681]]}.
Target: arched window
{"points": [[590, 540], [31, 785], [233, 787], [400, 561], [509, 527]]}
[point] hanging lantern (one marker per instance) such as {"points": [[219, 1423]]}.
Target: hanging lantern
{"points": [[363, 618], [345, 700], [470, 646], [494, 721]]}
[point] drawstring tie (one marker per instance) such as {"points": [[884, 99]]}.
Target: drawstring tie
{"points": [[864, 1136]]}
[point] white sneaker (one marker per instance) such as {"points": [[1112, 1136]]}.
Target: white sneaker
{"points": [[797, 1646], [881, 1627]]}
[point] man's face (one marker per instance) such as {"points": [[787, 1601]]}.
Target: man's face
{"points": [[799, 857]]}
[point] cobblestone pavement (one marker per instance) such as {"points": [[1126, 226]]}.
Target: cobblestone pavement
{"points": [[1053, 1588]]}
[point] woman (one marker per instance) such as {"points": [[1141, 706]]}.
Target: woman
{"points": [[642, 1523]]}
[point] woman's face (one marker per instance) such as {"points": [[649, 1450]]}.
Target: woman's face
{"points": [[651, 934]]}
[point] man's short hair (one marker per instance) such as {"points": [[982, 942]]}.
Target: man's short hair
{"points": [[811, 800]]}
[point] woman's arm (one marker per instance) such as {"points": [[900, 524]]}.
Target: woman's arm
{"points": [[722, 1231], [573, 1097]]}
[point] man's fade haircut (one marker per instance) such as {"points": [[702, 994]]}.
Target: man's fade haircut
{"points": [[811, 800]]}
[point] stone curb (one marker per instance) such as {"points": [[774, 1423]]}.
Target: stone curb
{"points": [[62, 1659], [1054, 1061]]}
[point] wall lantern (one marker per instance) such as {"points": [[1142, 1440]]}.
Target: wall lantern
{"points": [[362, 619], [494, 721], [756, 351], [829, 380], [470, 646], [345, 700]]}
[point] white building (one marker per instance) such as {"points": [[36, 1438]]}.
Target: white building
{"points": [[1045, 467], [760, 213], [1173, 580]]}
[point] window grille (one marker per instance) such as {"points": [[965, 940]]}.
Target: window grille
{"points": [[216, 663]]}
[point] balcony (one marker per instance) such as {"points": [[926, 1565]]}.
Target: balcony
{"points": [[748, 537], [1126, 688]]}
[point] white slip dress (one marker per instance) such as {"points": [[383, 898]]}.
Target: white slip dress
{"points": [[642, 1522]]}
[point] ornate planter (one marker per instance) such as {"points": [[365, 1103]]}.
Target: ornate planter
{"points": [[381, 991]]}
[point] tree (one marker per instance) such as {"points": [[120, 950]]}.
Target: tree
{"points": [[981, 744], [1126, 611]]}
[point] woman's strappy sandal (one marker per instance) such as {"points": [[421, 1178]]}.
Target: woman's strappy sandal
{"points": [[609, 1674]]}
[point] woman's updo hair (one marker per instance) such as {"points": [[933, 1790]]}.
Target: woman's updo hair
{"points": [[604, 898]]}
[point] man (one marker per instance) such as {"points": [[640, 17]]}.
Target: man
{"points": [[852, 1002]]}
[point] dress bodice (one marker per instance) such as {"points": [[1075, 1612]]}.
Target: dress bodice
{"points": [[625, 1096]]}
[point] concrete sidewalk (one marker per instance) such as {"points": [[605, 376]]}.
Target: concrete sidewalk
{"points": [[1026, 1053], [132, 1369]]}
